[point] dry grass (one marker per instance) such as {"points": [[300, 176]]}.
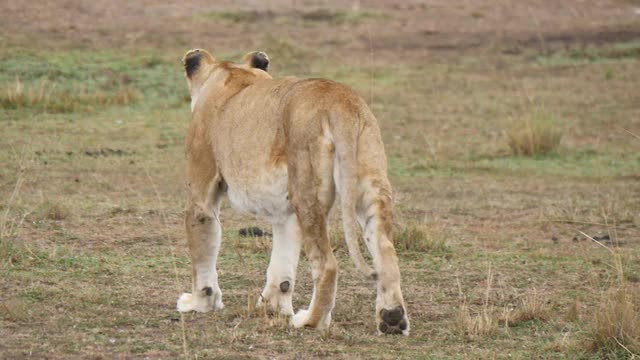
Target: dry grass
{"points": [[481, 323], [15, 310], [47, 97], [416, 237], [536, 135], [573, 313], [616, 323], [56, 211], [104, 281], [532, 307], [11, 221]]}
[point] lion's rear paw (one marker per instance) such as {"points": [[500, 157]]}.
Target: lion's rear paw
{"points": [[394, 322]]}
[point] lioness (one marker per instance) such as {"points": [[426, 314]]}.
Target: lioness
{"points": [[282, 149]]}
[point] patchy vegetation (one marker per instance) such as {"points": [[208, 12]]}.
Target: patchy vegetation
{"points": [[46, 98], [493, 222], [414, 237], [332, 16], [531, 308], [615, 330], [537, 135]]}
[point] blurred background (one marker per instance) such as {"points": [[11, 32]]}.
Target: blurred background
{"points": [[513, 135]]}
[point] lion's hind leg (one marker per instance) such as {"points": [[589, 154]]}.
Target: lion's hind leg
{"points": [[312, 193], [324, 269], [375, 216], [277, 295]]}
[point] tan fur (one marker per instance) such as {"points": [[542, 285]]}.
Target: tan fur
{"points": [[248, 134]]}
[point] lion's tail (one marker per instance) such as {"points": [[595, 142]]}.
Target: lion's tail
{"points": [[346, 179]]}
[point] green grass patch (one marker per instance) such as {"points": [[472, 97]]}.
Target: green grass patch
{"points": [[401, 168], [583, 164], [73, 81], [338, 16], [627, 51], [235, 16]]}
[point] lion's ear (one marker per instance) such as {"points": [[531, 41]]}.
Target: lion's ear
{"points": [[194, 60], [257, 60]]}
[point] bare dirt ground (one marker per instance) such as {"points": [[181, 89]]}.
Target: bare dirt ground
{"points": [[412, 31], [92, 194]]}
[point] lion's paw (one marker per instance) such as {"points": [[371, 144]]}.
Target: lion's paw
{"points": [[302, 319], [184, 303], [187, 303], [393, 322], [276, 303]]}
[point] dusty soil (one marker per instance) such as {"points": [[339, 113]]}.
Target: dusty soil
{"points": [[101, 211], [412, 31]]}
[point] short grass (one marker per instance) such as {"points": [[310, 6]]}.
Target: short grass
{"points": [[93, 256], [317, 16]]}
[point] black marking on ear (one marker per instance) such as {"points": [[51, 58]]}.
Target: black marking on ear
{"points": [[207, 290], [192, 62], [260, 60]]}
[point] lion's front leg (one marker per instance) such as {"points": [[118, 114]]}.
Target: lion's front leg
{"points": [[277, 295], [204, 236]]}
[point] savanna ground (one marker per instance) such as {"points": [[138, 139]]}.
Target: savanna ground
{"points": [[493, 243]]}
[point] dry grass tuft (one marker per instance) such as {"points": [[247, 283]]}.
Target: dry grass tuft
{"points": [[533, 307], [616, 324], [46, 97], [481, 324], [414, 237], [573, 313], [14, 310], [49, 210], [57, 212], [10, 224], [538, 135]]}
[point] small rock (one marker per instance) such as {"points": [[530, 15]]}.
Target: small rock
{"points": [[603, 238], [253, 232]]}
